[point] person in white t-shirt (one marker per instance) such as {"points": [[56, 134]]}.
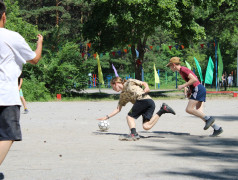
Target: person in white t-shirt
{"points": [[14, 52], [230, 80]]}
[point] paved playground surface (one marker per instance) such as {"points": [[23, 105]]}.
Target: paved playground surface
{"points": [[61, 141]]}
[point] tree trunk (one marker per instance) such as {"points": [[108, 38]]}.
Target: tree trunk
{"points": [[138, 61], [57, 13]]}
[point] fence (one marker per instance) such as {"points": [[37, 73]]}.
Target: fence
{"points": [[167, 80]]}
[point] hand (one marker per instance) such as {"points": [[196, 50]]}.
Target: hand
{"points": [[103, 118], [180, 87], [40, 38], [188, 94]]}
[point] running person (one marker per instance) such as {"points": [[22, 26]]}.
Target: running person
{"points": [[198, 94], [131, 91]]}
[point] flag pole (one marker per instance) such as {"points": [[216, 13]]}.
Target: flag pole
{"points": [[216, 60], [237, 71]]}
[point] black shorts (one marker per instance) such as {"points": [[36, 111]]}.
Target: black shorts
{"points": [[9, 123], [145, 107]]}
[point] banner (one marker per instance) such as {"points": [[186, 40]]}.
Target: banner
{"points": [[199, 69], [220, 63], [188, 65], [115, 71], [100, 75], [209, 72], [156, 75], [137, 53]]}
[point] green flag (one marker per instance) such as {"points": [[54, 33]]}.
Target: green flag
{"points": [[209, 72], [220, 63], [199, 69], [188, 65]]}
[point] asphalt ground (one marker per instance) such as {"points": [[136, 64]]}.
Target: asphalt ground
{"points": [[62, 141]]}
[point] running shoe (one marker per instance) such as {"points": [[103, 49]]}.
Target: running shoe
{"points": [[209, 122], [217, 132], [129, 137], [26, 111], [167, 109]]}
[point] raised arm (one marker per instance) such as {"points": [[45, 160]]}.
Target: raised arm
{"points": [[38, 50]]}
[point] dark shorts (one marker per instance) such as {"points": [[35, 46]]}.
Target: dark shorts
{"points": [[199, 93], [143, 107], [9, 123]]}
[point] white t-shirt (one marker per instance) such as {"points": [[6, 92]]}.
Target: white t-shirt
{"points": [[14, 52]]}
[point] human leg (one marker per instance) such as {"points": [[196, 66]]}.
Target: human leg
{"points": [[196, 112], [209, 121], [131, 122], [200, 107], [195, 108], [148, 124], [134, 113], [133, 136], [23, 102], [197, 100], [217, 129], [4, 148], [143, 107]]}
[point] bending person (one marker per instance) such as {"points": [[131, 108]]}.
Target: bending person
{"points": [[131, 91]]}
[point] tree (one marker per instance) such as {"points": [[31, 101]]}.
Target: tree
{"points": [[119, 23], [59, 20], [219, 18], [18, 24]]}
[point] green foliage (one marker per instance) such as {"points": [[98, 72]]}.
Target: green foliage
{"points": [[219, 18], [119, 23], [65, 71], [16, 23], [35, 90], [111, 26], [58, 20]]}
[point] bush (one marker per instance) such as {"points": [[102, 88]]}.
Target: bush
{"points": [[34, 90]]}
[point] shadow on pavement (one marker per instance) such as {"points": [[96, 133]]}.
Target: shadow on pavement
{"points": [[223, 152], [171, 133], [119, 134], [106, 133], [223, 174], [226, 118]]}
